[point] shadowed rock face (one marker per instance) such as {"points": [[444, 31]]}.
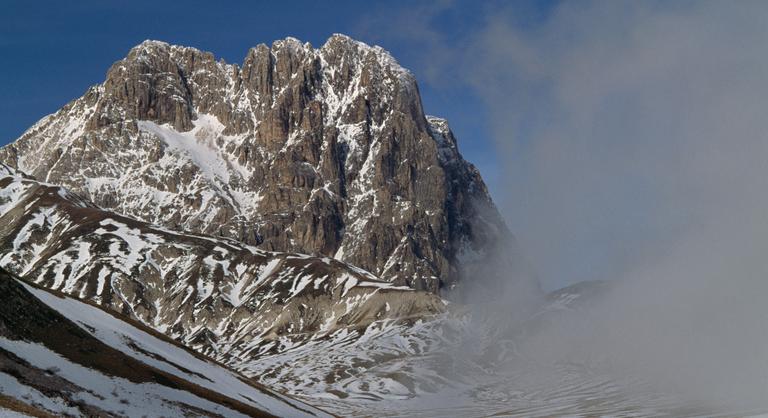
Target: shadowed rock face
{"points": [[320, 151]]}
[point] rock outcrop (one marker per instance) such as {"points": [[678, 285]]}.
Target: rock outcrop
{"points": [[321, 151]]}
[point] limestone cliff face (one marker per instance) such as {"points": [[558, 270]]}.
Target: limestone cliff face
{"points": [[321, 151]]}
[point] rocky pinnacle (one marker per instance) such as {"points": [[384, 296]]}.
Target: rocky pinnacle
{"points": [[322, 151]]}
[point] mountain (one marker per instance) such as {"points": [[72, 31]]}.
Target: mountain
{"points": [[225, 299], [63, 357], [296, 218], [323, 151]]}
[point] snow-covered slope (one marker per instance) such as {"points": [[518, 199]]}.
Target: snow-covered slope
{"points": [[65, 357], [225, 299]]}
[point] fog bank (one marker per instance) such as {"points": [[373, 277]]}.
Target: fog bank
{"points": [[635, 140]]}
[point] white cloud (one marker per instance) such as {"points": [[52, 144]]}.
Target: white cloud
{"points": [[625, 125]]}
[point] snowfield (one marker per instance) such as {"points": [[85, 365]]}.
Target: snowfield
{"points": [[168, 357], [124, 396]]}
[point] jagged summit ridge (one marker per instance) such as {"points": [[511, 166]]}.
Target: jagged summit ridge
{"points": [[158, 55], [315, 150]]}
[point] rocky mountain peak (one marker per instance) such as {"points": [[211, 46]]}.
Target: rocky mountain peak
{"points": [[314, 150]]}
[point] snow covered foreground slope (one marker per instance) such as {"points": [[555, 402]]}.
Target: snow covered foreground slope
{"points": [[65, 357], [232, 302]]}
